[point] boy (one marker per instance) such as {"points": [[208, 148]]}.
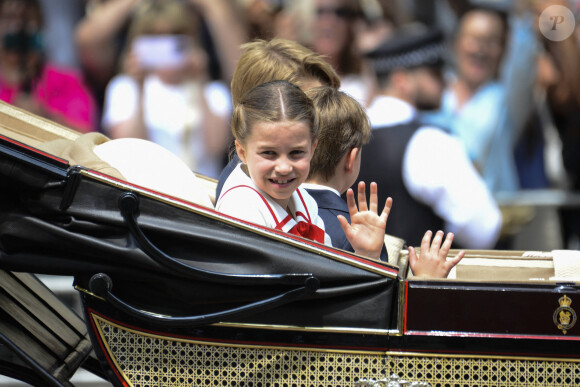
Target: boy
{"points": [[343, 129]]}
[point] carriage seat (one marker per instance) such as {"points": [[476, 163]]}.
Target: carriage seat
{"points": [[152, 166], [136, 161], [516, 266]]}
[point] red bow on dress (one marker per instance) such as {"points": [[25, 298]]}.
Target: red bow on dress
{"points": [[308, 230]]}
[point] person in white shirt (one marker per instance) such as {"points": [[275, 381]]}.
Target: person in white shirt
{"points": [[165, 93], [423, 168]]}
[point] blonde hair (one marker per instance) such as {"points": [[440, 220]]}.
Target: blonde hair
{"points": [[275, 101], [342, 125], [182, 18], [279, 59]]}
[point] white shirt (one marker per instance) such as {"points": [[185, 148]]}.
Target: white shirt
{"points": [[242, 199], [355, 86], [437, 171], [319, 187], [170, 111]]}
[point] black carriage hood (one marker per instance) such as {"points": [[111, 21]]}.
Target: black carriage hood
{"points": [[58, 219]]}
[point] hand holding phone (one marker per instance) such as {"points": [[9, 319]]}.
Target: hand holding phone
{"points": [[160, 51]]}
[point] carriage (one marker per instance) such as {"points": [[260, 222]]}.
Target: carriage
{"points": [[176, 294]]}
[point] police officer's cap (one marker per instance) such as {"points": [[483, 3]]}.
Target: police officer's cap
{"points": [[408, 48]]}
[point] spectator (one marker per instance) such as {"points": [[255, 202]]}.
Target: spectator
{"points": [[101, 36], [226, 31], [424, 169], [563, 101], [380, 19], [29, 81], [167, 97], [267, 19], [333, 36], [484, 104], [259, 16], [99, 40], [61, 18]]}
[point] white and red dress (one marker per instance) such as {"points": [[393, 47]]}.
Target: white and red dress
{"points": [[242, 199]]}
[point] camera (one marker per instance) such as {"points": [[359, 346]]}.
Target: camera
{"points": [[160, 51]]}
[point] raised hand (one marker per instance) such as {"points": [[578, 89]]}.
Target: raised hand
{"points": [[433, 256], [366, 231]]}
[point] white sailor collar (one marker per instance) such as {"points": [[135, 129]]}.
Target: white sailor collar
{"points": [[303, 209]]}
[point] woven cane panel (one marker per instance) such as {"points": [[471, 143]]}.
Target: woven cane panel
{"points": [[467, 372], [147, 360]]}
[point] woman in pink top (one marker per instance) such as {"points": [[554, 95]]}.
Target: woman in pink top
{"points": [[28, 82]]}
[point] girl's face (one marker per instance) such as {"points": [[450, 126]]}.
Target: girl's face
{"points": [[278, 156]]}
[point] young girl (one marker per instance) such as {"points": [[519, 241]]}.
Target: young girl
{"points": [[275, 136]]}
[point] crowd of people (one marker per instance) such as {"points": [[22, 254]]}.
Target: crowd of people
{"points": [[464, 99]]}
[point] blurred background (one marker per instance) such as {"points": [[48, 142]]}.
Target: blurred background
{"points": [[161, 70]]}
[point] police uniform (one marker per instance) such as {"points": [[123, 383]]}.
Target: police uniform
{"points": [[423, 168]]}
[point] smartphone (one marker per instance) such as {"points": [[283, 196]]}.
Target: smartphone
{"points": [[160, 51]]}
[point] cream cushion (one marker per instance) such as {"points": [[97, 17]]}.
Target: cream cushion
{"points": [[566, 265], [151, 166]]}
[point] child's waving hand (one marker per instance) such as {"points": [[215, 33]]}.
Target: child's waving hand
{"points": [[433, 259], [366, 231]]}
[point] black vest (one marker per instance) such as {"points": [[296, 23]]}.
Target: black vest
{"points": [[382, 162]]}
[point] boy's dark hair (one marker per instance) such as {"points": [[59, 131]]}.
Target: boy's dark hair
{"points": [[342, 125]]}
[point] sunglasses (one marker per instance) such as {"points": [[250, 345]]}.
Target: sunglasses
{"points": [[22, 42], [341, 12]]}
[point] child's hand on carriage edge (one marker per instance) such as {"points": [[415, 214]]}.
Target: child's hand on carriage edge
{"points": [[433, 261], [366, 231]]}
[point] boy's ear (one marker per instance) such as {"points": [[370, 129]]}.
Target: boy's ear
{"points": [[350, 159], [241, 151]]}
